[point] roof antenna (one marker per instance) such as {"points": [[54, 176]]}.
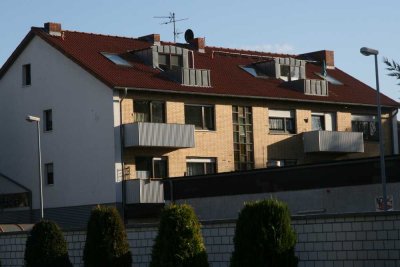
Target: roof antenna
{"points": [[173, 20]]}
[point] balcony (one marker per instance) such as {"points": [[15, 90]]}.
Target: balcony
{"points": [[190, 77], [310, 86], [150, 134], [144, 191], [336, 142]]}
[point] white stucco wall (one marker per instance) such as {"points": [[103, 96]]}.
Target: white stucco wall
{"points": [[81, 145]]}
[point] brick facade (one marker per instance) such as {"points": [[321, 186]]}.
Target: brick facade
{"points": [[267, 146]]}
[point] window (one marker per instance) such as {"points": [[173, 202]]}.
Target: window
{"points": [[289, 73], [49, 169], [26, 74], [201, 116], [281, 121], [48, 120], [368, 125], [170, 61], [116, 59], [254, 70], [243, 138], [200, 166], [151, 167], [323, 121], [281, 163], [149, 111], [329, 79]]}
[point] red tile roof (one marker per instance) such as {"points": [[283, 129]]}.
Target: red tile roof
{"points": [[227, 78]]}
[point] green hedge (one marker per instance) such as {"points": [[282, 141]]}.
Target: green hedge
{"points": [[46, 246], [264, 236], [106, 244], [179, 242]]}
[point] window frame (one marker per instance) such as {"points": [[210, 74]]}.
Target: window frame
{"points": [[168, 65], [205, 161], [26, 75], [150, 109], [49, 175], [48, 120], [355, 118], [284, 119], [203, 126], [150, 161]]}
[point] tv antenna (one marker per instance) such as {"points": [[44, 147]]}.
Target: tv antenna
{"points": [[172, 19]]}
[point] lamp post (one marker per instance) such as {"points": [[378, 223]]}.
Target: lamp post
{"points": [[368, 52], [37, 120]]}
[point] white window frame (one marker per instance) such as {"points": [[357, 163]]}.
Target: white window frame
{"points": [[282, 114], [329, 120]]}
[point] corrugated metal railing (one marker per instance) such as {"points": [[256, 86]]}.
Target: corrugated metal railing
{"points": [[331, 141]]}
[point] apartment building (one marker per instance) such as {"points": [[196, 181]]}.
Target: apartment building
{"points": [[117, 109]]}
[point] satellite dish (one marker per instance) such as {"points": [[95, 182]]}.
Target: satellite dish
{"points": [[189, 35]]}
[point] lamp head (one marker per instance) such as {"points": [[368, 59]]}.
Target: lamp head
{"points": [[32, 118], [368, 51]]}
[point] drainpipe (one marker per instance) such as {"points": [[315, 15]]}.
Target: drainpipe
{"points": [[395, 138], [121, 139]]}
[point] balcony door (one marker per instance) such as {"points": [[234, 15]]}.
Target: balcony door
{"points": [[149, 111], [323, 121], [151, 167]]}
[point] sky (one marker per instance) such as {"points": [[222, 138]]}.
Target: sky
{"points": [[290, 26]]}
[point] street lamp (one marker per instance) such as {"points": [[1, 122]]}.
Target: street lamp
{"points": [[367, 52], [37, 120]]}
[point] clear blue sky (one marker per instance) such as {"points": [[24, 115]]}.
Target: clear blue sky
{"points": [[290, 26]]}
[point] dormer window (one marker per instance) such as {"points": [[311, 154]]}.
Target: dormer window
{"points": [[170, 61], [289, 73]]}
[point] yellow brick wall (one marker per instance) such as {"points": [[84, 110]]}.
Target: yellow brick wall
{"points": [[267, 146]]}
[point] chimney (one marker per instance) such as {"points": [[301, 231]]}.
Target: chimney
{"points": [[322, 55], [199, 44], [151, 38], [53, 28]]}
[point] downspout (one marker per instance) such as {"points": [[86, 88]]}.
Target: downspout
{"points": [[121, 140], [395, 138]]}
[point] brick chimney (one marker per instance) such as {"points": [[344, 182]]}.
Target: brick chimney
{"points": [[151, 38], [320, 56], [199, 44], [53, 28]]}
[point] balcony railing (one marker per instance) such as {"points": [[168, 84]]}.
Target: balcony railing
{"points": [[330, 141], [190, 77], [144, 191], [149, 134], [311, 87]]}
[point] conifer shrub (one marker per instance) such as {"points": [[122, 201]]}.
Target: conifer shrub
{"points": [[106, 243], [179, 242], [46, 246], [264, 236]]}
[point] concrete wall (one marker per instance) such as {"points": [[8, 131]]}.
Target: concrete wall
{"points": [[267, 145], [81, 143], [363, 239]]}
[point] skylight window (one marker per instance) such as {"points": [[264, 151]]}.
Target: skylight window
{"points": [[329, 79], [254, 71], [116, 59]]}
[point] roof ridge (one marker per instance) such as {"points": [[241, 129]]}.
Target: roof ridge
{"points": [[248, 51]]}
